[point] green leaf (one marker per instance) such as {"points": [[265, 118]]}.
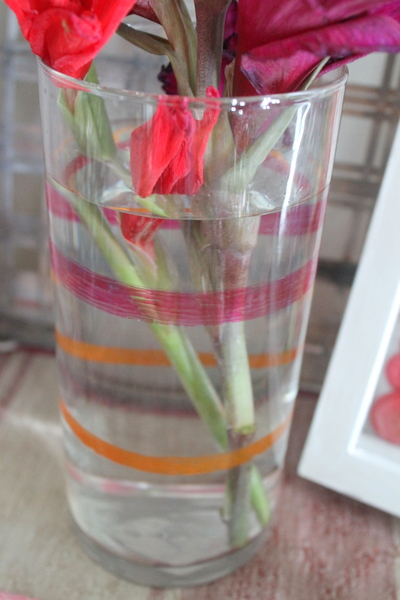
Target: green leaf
{"points": [[87, 118]]}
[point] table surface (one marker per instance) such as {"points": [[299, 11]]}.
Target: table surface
{"points": [[323, 546]]}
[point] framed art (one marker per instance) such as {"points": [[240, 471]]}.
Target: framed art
{"points": [[353, 445]]}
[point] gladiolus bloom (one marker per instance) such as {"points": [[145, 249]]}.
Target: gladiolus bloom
{"points": [[167, 152], [280, 42], [67, 34]]}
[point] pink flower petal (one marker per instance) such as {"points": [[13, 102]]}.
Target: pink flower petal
{"points": [[139, 230], [281, 41], [143, 8], [158, 142]]}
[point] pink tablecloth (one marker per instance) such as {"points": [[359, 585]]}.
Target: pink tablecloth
{"points": [[323, 546]]}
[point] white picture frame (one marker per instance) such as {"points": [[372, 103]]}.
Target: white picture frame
{"points": [[342, 451]]}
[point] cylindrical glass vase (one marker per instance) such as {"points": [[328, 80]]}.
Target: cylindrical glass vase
{"points": [[184, 236]]}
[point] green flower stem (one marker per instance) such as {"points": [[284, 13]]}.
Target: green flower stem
{"points": [[238, 501], [259, 499], [219, 255], [237, 395], [161, 47], [175, 18], [210, 21], [237, 389], [199, 388], [176, 345], [240, 175]]}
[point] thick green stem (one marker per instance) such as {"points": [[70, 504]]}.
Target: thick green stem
{"points": [[193, 377], [210, 21], [259, 498], [237, 389], [220, 252], [238, 501]]}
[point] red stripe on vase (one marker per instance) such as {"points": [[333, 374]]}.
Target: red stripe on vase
{"points": [[180, 308]]}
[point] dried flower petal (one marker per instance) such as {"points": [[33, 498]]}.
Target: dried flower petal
{"points": [[139, 230], [168, 80], [167, 152], [143, 8], [67, 34], [281, 42]]}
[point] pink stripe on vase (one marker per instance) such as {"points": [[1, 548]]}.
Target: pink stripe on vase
{"points": [[180, 308]]}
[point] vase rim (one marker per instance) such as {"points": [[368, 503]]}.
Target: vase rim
{"points": [[327, 84]]}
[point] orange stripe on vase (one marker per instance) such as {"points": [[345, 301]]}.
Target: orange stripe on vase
{"points": [[173, 465], [114, 356], [157, 358]]}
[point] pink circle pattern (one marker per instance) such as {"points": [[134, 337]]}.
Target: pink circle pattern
{"points": [[385, 411]]}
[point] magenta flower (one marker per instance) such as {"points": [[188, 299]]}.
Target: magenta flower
{"points": [[280, 42], [230, 39]]}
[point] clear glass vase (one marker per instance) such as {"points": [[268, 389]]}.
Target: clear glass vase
{"points": [[181, 295]]}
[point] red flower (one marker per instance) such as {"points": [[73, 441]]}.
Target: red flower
{"points": [[67, 34], [280, 42], [139, 230], [167, 152]]}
